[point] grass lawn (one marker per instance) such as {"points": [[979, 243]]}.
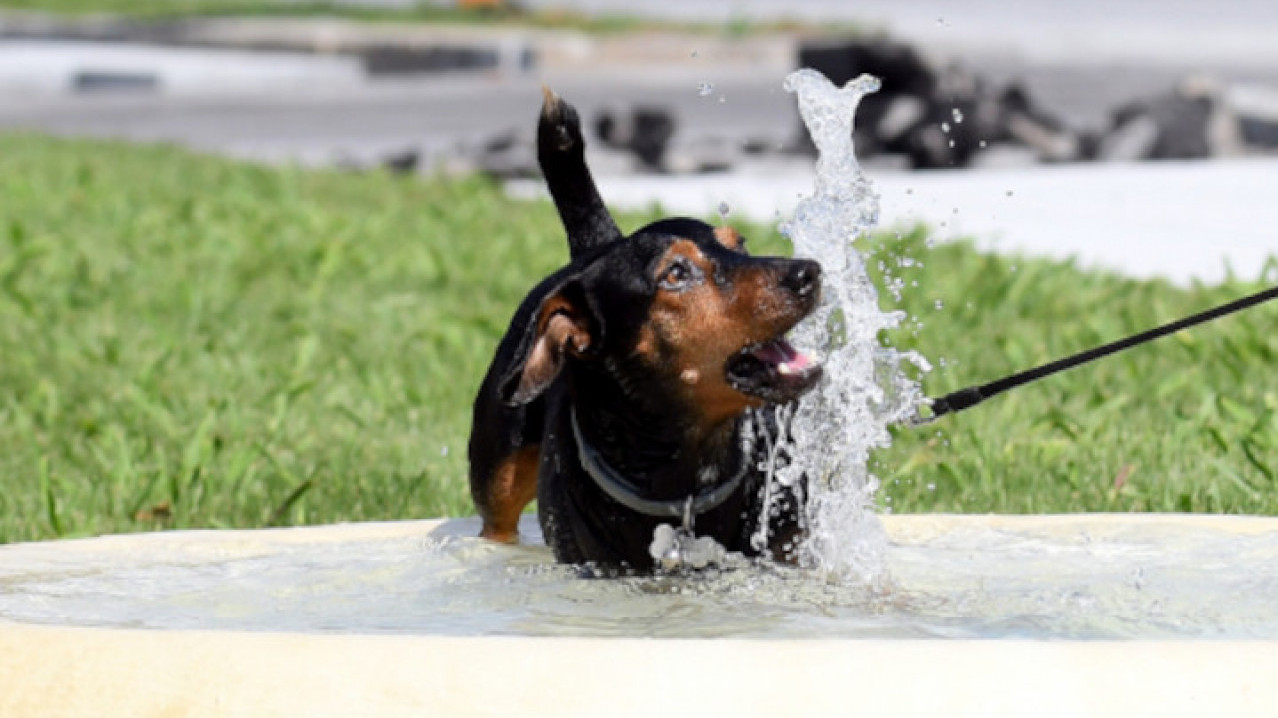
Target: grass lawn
{"points": [[421, 12], [191, 342]]}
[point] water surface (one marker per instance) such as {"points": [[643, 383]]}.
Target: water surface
{"points": [[1075, 578]]}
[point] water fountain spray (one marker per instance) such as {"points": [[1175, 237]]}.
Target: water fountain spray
{"points": [[865, 390], [834, 429]]}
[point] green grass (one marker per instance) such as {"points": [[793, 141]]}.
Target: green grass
{"points": [[421, 12], [187, 342], [1188, 423]]}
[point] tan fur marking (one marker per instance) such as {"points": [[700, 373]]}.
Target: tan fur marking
{"points": [[707, 324], [559, 332], [513, 487], [728, 237]]}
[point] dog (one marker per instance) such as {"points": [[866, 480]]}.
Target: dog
{"points": [[632, 384]]}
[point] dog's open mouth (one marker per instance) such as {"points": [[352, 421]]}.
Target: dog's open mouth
{"points": [[773, 371]]}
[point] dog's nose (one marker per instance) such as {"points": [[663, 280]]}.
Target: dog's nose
{"points": [[803, 277]]}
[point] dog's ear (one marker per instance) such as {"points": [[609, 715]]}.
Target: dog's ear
{"points": [[563, 326]]}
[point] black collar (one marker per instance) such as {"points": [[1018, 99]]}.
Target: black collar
{"points": [[625, 493]]}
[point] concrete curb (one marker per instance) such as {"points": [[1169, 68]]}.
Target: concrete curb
{"points": [[60, 671], [68, 672]]}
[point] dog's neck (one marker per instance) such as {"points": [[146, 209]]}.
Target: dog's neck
{"points": [[655, 448]]}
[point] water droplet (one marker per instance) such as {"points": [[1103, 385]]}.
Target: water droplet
{"points": [[705, 88], [939, 305], [722, 99], [983, 144], [443, 450], [945, 127], [931, 486], [957, 114], [951, 143]]}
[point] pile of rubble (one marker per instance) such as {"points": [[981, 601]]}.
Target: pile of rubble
{"points": [[930, 117], [947, 117]]}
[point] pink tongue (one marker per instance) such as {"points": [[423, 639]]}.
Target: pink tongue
{"points": [[784, 356]]}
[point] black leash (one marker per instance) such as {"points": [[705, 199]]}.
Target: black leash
{"points": [[973, 395]]}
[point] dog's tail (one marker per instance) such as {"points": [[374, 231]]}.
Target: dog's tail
{"points": [[561, 154]]}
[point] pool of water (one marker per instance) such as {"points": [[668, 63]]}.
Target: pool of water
{"points": [[1090, 577]]}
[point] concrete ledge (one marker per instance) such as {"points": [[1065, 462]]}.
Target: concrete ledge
{"points": [[61, 671], [92, 672]]}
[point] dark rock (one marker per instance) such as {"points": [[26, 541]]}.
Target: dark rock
{"points": [[935, 117], [1191, 122], [402, 163], [1256, 107], [645, 131], [1022, 121]]}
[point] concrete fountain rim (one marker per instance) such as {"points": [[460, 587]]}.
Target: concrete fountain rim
{"points": [[75, 671]]}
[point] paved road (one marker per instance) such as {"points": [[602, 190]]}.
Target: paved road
{"points": [[317, 122], [316, 114]]}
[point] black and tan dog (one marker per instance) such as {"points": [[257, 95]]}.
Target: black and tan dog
{"points": [[632, 380]]}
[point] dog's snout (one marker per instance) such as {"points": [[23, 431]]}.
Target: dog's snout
{"points": [[803, 277]]}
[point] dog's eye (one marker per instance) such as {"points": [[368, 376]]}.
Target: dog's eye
{"points": [[678, 275]]}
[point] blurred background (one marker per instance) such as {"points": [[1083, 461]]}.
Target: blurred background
{"points": [[255, 255], [685, 105]]}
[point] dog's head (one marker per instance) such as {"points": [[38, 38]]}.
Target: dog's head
{"points": [[678, 313]]}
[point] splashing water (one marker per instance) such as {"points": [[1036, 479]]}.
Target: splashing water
{"points": [[865, 389]]}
